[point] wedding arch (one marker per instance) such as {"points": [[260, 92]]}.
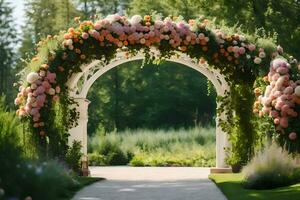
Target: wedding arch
{"points": [[56, 81]]}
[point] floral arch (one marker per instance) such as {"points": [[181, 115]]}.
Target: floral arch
{"points": [[53, 90]]}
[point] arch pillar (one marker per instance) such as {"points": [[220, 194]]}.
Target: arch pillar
{"points": [[79, 133], [221, 143]]}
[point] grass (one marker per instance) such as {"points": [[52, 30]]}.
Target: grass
{"points": [[230, 185], [83, 181], [181, 147]]}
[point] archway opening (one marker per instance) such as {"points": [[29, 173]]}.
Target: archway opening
{"points": [[146, 116]]}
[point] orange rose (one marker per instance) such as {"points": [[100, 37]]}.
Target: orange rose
{"points": [[205, 48], [147, 18]]}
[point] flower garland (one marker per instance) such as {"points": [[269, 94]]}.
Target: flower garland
{"points": [[236, 58], [281, 98]]}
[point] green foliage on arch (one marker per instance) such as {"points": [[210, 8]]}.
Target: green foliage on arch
{"points": [[44, 101]]}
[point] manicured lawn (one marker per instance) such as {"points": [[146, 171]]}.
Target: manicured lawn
{"points": [[83, 181], [230, 185]]}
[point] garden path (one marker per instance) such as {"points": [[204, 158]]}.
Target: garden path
{"points": [[151, 183]]}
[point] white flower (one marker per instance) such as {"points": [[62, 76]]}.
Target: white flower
{"points": [[32, 77], [51, 91], [151, 28], [297, 91], [257, 60], [135, 19], [33, 86], [279, 49], [42, 73], [262, 54], [242, 38], [113, 18], [201, 36], [69, 42], [142, 41]]}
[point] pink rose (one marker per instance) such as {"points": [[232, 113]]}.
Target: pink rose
{"points": [[55, 98], [35, 119], [34, 111], [40, 90], [242, 50], [251, 47], [51, 77], [285, 108], [40, 100], [276, 121], [85, 35], [292, 136], [274, 113], [284, 122], [98, 26], [282, 70], [46, 85], [17, 101], [57, 89]]}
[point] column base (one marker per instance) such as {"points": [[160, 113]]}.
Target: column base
{"points": [[86, 172], [219, 170]]}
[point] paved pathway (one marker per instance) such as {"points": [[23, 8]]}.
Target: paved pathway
{"points": [[151, 183]]}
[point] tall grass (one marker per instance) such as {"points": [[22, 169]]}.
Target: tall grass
{"points": [[270, 168], [142, 147]]}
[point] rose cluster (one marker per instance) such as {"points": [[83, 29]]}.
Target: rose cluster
{"points": [[33, 97], [281, 96], [121, 31], [237, 46], [179, 35]]}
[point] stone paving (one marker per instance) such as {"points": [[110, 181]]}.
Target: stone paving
{"points": [[151, 183]]}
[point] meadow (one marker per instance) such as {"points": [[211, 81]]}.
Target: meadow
{"points": [[143, 147]]}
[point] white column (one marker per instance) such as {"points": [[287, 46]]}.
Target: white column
{"points": [[79, 133], [221, 144]]}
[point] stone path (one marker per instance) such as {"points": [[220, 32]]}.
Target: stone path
{"points": [[151, 183]]}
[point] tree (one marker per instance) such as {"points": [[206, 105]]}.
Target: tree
{"points": [[102, 7], [44, 18], [164, 96], [7, 47]]}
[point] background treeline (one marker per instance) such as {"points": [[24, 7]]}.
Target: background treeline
{"points": [[157, 96], [152, 97]]}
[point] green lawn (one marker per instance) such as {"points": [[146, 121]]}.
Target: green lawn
{"points": [[230, 185], [83, 181]]}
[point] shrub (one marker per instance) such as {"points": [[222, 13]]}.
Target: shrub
{"points": [[272, 167], [48, 181], [73, 157], [96, 159], [19, 177], [112, 151], [142, 147]]}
